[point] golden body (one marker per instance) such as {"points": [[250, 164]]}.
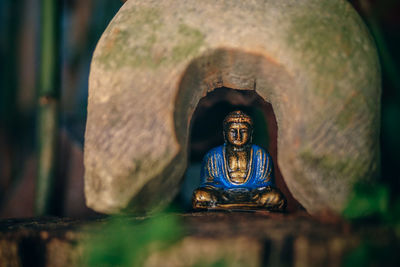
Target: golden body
{"points": [[238, 166]]}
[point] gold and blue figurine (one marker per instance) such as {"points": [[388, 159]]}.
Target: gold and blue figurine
{"points": [[238, 174]]}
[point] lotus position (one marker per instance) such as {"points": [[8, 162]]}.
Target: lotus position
{"points": [[237, 174]]}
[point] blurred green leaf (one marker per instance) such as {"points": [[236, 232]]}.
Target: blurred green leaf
{"points": [[367, 200], [374, 201], [358, 257], [369, 253], [126, 242]]}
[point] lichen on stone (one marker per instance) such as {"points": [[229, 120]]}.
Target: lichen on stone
{"points": [[138, 41], [191, 40]]}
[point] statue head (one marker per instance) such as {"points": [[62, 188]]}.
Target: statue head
{"points": [[238, 129]]}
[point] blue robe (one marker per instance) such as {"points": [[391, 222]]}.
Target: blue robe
{"points": [[214, 171]]}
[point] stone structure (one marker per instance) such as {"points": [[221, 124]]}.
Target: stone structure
{"points": [[235, 239], [313, 60]]}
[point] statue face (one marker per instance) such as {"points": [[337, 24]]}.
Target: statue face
{"points": [[238, 134]]}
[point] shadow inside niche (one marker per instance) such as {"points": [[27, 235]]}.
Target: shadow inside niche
{"points": [[206, 133]]}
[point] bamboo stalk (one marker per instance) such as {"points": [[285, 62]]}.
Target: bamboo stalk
{"points": [[389, 64], [10, 117], [48, 106]]}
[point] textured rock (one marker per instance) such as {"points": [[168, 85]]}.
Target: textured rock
{"points": [[209, 238], [313, 60], [235, 239]]}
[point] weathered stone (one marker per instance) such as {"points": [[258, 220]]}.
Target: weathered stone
{"points": [[208, 238], [313, 60], [235, 239]]}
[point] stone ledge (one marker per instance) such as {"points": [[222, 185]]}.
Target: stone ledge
{"points": [[250, 238]]}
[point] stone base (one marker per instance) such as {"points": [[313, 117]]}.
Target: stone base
{"points": [[235, 238]]}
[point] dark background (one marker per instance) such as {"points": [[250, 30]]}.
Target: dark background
{"points": [[82, 23]]}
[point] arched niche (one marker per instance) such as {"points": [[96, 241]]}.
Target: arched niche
{"points": [[241, 79], [206, 132]]}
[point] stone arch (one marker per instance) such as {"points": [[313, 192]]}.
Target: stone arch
{"points": [[314, 61], [233, 69]]}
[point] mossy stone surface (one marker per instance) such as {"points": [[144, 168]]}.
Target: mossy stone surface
{"points": [[313, 60]]}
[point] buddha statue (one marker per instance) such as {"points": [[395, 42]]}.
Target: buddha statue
{"points": [[238, 174]]}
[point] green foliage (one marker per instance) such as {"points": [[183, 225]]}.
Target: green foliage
{"points": [[368, 200], [129, 241], [372, 203], [125, 241], [371, 254]]}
